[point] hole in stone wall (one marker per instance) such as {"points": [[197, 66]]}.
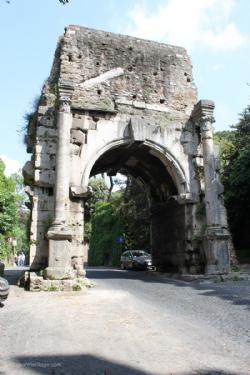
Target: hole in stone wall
{"points": [[97, 63], [99, 92], [155, 73], [162, 101], [188, 79], [95, 118], [134, 96], [130, 68], [70, 57], [50, 191], [79, 56], [185, 74]]}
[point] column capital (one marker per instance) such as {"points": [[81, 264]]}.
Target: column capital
{"points": [[203, 112], [202, 116], [66, 89], [206, 127]]}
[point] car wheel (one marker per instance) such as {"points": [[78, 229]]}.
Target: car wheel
{"points": [[122, 266]]}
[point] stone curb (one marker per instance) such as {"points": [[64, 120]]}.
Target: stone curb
{"points": [[232, 276]]}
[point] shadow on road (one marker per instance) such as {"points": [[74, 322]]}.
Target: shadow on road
{"points": [[237, 292], [91, 365]]}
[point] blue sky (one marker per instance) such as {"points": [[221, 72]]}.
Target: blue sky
{"points": [[215, 32]]}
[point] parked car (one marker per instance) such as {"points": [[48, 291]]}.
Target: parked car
{"points": [[136, 259], [4, 289]]}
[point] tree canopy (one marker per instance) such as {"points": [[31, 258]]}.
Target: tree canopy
{"points": [[118, 221], [235, 174], [13, 216], [8, 202]]}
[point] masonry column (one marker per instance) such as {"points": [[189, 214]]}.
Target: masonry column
{"points": [[59, 234], [216, 242]]}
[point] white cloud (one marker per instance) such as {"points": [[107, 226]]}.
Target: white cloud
{"points": [[188, 23], [228, 39], [11, 166]]}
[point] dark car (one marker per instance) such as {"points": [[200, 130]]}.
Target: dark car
{"points": [[136, 259], [4, 289]]}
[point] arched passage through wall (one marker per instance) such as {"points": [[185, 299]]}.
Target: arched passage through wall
{"points": [[163, 179]]}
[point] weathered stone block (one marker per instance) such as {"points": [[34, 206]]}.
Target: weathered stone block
{"points": [[78, 137], [35, 282], [46, 285]]}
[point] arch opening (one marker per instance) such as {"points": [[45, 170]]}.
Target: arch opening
{"points": [[166, 216]]}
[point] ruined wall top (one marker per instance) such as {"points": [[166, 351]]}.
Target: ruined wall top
{"points": [[110, 70]]}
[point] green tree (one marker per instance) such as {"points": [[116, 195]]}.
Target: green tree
{"points": [[235, 174], [14, 216], [8, 212], [100, 192], [125, 215], [106, 228], [132, 208], [8, 203], [22, 231]]}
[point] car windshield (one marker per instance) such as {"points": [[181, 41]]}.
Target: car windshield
{"points": [[139, 253]]}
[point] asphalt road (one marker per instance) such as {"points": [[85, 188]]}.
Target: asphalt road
{"points": [[130, 323]]}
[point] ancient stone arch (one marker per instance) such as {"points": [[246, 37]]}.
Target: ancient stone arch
{"points": [[120, 104]]}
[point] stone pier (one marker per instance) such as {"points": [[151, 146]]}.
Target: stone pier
{"points": [[216, 236], [59, 234]]}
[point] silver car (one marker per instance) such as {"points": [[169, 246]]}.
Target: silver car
{"points": [[136, 259]]}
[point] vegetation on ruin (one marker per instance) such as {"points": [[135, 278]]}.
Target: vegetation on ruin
{"points": [[30, 120], [235, 174]]}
